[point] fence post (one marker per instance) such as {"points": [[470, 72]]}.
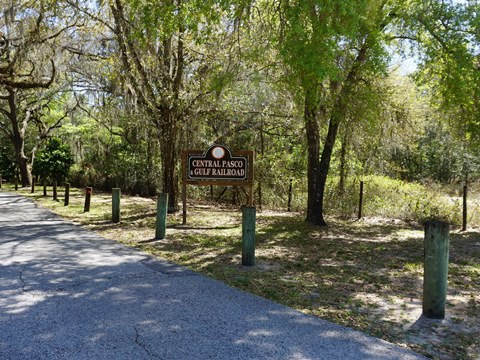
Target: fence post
{"points": [[116, 205], [360, 202], [88, 199], [67, 194], [248, 235], [464, 222], [435, 269], [162, 206]]}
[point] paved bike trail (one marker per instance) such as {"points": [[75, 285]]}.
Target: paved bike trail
{"points": [[67, 293]]}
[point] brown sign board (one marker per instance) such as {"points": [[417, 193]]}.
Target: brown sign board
{"points": [[218, 166]]}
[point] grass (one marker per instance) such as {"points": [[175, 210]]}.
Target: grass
{"points": [[365, 274]]}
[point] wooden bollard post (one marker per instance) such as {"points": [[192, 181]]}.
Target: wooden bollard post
{"points": [[44, 188], [162, 206], [1, 181], [248, 235], [437, 241], [464, 218], [66, 201], [55, 198], [88, 199], [360, 201], [116, 194], [16, 182], [33, 185]]}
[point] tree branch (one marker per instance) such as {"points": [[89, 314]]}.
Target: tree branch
{"points": [[23, 85]]}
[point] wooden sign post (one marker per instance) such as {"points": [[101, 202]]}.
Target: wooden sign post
{"points": [[216, 166]]}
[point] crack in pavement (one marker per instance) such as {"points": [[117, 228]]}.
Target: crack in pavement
{"points": [[142, 345], [24, 284]]}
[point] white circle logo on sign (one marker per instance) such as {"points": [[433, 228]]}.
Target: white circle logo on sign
{"points": [[218, 152]]}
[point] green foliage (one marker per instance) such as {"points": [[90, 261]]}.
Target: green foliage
{"points": [[244, 69], [449, 44], [121, 153], [162, 19], [53, 163], [314, 35]]}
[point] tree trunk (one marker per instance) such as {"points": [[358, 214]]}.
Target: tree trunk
{"points": [[18, 139], [318, 171], [314, 198], [325, 163], [343, 163], [25, 174], [167, 139]]}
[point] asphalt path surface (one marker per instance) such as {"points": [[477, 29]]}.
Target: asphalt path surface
{"points": [[67, 293]]}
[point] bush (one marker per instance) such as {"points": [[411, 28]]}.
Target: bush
{"points": [[53, 163], [391, 198], [7, 163]]}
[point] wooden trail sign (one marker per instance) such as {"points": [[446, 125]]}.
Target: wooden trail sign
{"points": [[217, 166]]}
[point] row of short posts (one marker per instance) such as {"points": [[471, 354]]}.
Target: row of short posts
{"points": [[248, 224], [248, 217], [162, 207]]}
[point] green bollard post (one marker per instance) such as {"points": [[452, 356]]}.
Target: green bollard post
{"points": [[67, 195], [116, 194], [248, 235], [435, 269], [162, 206]]}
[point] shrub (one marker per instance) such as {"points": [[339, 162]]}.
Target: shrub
{"points": [[391, 198], [53, 163]]}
